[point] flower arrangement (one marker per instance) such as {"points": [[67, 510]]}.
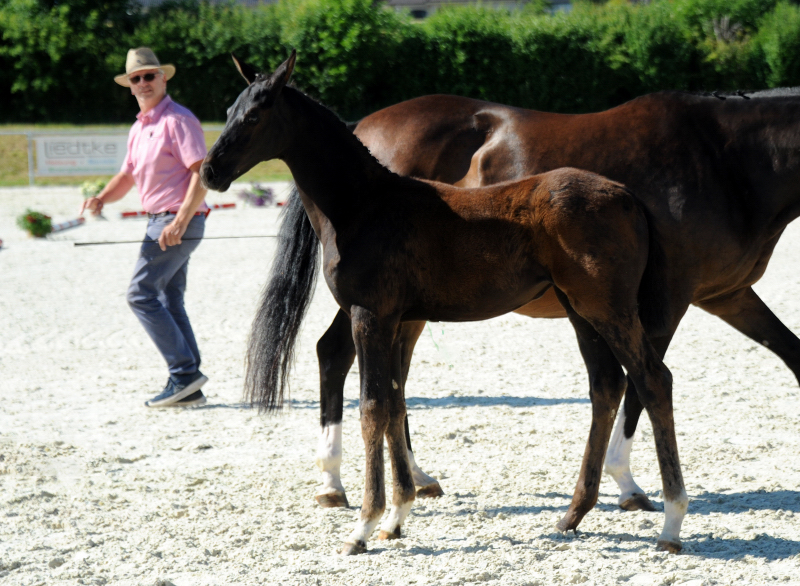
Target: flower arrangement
{"points": [[92, 188], [258, 196], [35, 223]]}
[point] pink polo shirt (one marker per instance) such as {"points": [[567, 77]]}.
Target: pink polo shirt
{"points": [[162, 145]]}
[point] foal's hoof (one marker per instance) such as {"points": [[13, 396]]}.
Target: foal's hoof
{"points": [[390, 534], [431, 491], [569, 522], [353, 548], [669, 546], [331, 500], [637, 502]]}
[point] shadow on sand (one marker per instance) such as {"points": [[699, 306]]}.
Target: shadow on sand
{"points": [[707, 545]]}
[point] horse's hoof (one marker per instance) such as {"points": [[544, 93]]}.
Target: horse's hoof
{"points": [[390, 534], [353, 548], [637, 502], [568, 523], [669, 546], [431, 491], [332, 500]]}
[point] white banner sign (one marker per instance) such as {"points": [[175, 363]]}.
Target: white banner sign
{"points": [[80, 154]]}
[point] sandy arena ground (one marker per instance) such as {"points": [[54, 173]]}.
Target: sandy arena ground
{"points": [[97, 489]]}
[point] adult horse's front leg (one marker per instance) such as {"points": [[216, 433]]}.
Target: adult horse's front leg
{"points": [[618, 458], [745, 311], [382, 414], [606, 386]]}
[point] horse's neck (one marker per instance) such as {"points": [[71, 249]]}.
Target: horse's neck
{"points": [[766, 133], [329, 164]]}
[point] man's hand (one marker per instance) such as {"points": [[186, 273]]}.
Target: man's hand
{"points": [[172, 234], [93, 204]]}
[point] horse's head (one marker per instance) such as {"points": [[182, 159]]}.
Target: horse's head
{"points": [[253, 132]]}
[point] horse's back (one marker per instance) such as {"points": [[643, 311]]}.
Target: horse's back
{"points": [[431, 137]]}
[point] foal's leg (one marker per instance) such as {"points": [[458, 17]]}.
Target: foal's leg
{"points": [[653, 383], [427, 486], [399, 451], [606, 385], [336, 353], [382, 413]]}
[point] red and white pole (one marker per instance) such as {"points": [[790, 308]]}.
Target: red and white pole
{"points": [[66, 225]]}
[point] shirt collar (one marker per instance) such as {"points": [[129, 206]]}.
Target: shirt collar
{"points": [[154, 114]]}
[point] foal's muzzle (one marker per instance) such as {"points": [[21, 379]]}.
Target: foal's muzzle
{"points": [[211, 179]]}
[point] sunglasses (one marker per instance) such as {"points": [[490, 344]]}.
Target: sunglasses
{"points": [[137, 78]]}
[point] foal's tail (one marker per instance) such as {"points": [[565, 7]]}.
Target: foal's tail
{"points": [[286, 297], [653, 297]]}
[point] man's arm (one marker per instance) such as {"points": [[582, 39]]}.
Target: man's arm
{"points": [[195, 193], [115, 190]]}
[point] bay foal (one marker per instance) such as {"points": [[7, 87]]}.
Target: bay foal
{"points": [[399, 251]]}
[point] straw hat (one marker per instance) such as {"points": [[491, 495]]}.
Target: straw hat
{"points": [[140, 59]]}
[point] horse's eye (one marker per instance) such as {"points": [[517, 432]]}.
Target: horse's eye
{"points": [[252, 119]]}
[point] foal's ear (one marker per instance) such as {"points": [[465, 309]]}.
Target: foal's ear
{"points": [[281, 76], [248, 73]]}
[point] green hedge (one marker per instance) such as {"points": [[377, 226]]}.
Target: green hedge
{"points": [[57, 57]]}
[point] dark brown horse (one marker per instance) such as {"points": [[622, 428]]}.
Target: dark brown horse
{"points": [[399, 251], [720, 176]]}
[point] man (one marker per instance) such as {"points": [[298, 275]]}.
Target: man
{"points": [[165, 150]]}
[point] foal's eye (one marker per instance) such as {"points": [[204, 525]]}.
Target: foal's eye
{"points": [[252, 119]]}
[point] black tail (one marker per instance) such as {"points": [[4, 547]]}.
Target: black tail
{"points": [[286, 297], [653, 297]]}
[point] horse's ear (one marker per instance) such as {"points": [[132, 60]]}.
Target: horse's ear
{"points": [[281, 76], [248, 73]]}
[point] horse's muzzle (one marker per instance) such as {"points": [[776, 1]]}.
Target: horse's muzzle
{"points": [[212, 180]]}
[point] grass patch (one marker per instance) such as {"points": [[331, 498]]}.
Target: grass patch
{"points": [[14, 157]]}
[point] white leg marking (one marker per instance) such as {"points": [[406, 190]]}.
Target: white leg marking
{"points": [[329, 459], [674, 512], [421, 479], [618, 461], [397, 515], [363, 530]]}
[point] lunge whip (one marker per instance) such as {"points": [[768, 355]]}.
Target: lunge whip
{"points": [[98, 243]]}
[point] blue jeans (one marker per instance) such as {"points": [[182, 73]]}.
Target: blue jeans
{"points": [[156, 294]]}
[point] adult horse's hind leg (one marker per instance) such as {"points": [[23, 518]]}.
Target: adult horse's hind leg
{"points": [[606, 386], [336, 353]]}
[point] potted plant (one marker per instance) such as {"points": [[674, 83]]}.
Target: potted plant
{"points": [[35, 223]]}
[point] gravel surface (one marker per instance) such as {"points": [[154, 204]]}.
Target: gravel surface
{"points": [[97, 489]]}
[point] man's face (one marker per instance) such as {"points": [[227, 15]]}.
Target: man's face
{"points": [[145, 90]]}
